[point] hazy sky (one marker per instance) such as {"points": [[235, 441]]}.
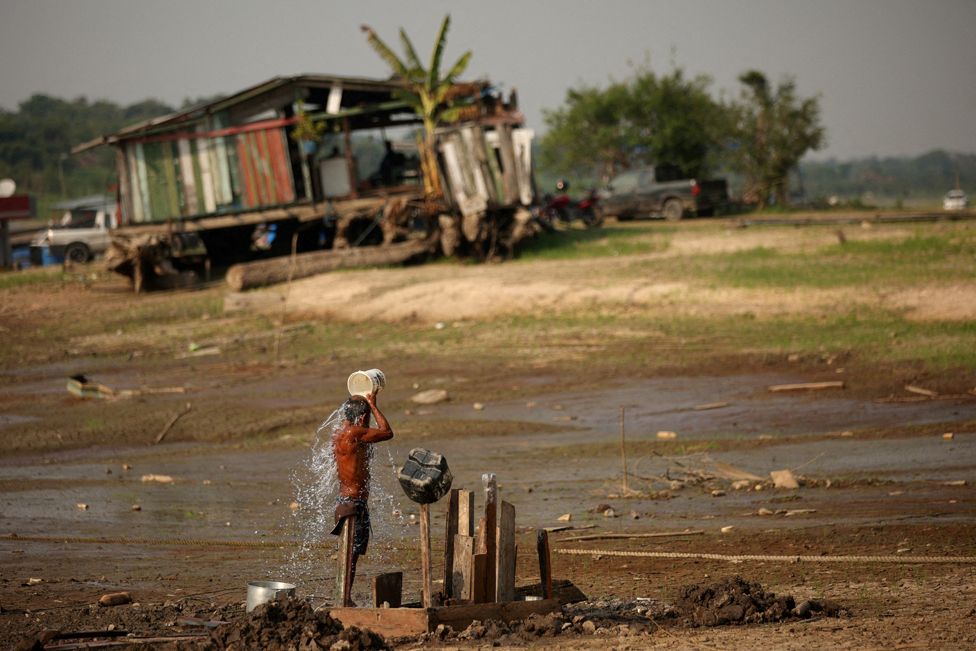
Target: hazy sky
{"points": [[895, 76]]}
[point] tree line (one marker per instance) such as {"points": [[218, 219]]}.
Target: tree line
{"points": [[673, 119]]}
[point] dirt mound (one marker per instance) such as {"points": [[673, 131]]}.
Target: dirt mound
{"points": [[737, 601], [291, 624]]}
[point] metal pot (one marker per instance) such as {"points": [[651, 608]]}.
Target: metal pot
{"points": [[259, 592]]}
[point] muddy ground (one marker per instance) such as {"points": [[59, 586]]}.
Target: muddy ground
{"points": [[537, 403]]}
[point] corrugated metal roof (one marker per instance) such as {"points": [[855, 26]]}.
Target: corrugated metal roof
{"points": [[196, 112]]}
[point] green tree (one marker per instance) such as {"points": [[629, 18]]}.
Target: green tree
{"points": [[647, 119], [775, 128], [426, 91]]}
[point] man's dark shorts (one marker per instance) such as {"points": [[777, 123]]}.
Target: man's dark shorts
{"points": [[346, 506]]}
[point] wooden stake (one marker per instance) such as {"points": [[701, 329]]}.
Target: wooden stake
{"points": [[491, 520], [480, 582], [505, 565], [463, 577], [344, 575], [465, 513], [449, 534], [623, 450], [545, 563], [426, 585], [172, 421]]}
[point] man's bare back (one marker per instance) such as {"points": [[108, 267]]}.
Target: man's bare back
{"points": [[350, 447]]}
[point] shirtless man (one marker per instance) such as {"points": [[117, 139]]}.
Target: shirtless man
{"points": [[350, 445]]}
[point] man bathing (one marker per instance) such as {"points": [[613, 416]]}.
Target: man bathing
{"points": [[350, 445]]}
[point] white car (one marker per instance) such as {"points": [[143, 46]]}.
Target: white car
{"points": [[955, 200]]}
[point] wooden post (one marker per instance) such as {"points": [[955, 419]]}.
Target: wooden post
{"points": [[344, 575], [480, 582], [505, 565], [426, 587], [491, 520], [388, 588], [465, 520], [545, 563], [451, 532], [623, 451], [463, 578]]}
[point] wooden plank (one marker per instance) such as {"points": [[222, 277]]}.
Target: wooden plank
{"points": [[204, 160], [545, 563], [344, 573], [388, 588], [465, 519], [480, 582], [389, 622], [491, 521], [563, 590], [460, 617], [509, 179], [481, 539], [426, 587], [806, 386], [188, 179], [462, 578], [505, 560], [451, 530]]}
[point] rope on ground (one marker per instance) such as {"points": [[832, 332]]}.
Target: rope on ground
{"points": [[741, 558]]}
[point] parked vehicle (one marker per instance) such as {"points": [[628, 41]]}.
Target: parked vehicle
{"points": [[561, 207], [955, 200], [661, 192], [83, 232]]}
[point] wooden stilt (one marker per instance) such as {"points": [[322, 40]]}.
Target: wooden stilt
{"points": [[344, 575], [545, 563], [465, 513], [491, 520], [450, 533], [463, 577], [505, 565], [426, 586]]}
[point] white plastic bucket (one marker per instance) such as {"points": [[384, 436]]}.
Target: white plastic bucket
{"points": [[260, 592], [361, 383]]}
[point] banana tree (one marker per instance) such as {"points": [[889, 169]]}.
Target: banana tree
{"points": [[426, 91]]}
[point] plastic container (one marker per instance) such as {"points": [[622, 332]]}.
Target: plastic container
{"points": [[361, 383], [260, 592]]}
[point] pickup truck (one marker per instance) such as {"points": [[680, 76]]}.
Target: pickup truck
{"points": [[83, 232], [661, 192]]}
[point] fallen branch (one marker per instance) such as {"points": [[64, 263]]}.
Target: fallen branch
{"points": [[911, 388], [806, 386], [172, 421], [607, 536]]}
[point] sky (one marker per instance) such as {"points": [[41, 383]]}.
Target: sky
{"points": [[894, 77]]}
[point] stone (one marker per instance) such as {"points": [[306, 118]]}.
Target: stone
{"points": [[784, 479], [718, 493], [741, 484], [115, 599], [565, 517], [764, 511], [425, 477], [588, 627], [430, 397], [664, 435]]}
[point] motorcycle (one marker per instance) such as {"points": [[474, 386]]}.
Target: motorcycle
{"points": [[561, 207]]}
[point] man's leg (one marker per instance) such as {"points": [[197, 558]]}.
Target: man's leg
{"points": [[347, 561]]}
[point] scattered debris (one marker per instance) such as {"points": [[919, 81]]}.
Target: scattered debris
{"points": [[82, 506], [948, 436], [784, 479], [159, 479], [115, 599], [478, 406], [565, 517], [136, 507], [430, 397], [711, 405], [792, 512], [172, 421], [764, 511], [911, 388], [667, 436], [33, 581], [718, 493], [741, 484], [807, 386], [955, 482]]}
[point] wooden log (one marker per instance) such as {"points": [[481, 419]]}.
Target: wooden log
{"points": [[480, 583], [491, 522], [545, 563], [388, 588], [344, 573], [275, 270], [451, 531], [462, 579], [426, 580], [505, 561]]}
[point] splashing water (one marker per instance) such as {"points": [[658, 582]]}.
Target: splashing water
{"points": [[316, 484]]}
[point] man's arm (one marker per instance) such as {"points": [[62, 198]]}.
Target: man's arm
{"points": [[382, 431]]}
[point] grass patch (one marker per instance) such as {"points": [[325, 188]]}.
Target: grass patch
{"points": [[31, 277], [573, 244]]}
